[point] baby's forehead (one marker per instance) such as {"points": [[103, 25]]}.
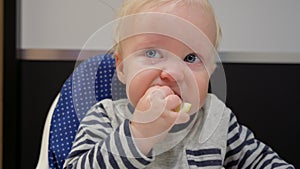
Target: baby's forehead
{"points": [[175, 16], [158, 41], [195, 13], [156, 25]]}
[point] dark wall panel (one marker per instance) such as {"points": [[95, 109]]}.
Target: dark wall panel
{"points": [[266, 98], [40, 83]]}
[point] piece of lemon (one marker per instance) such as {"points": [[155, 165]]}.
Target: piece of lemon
{"points": [[184, 107]]}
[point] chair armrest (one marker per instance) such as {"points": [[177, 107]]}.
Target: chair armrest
{"points": [[43, 157]]}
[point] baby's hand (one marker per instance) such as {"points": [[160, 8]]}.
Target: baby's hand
{"points": [[155, 115]]}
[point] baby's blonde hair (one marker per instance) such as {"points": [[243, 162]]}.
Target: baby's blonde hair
{"points": [[130, 7]]}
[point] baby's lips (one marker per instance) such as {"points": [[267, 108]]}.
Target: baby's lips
{"points": [[184, 107]]}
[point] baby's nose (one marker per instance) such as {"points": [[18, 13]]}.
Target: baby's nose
{"points": [[173, 70], [172, 75]]}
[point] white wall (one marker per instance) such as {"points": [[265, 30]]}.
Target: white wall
{"points": [[259, 25], [248, 25], [62, 24]]}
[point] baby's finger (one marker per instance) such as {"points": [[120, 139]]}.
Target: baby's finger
{"points": [[182, 118], [159, 92], [172, 101], [151, 108], [172, 118]]}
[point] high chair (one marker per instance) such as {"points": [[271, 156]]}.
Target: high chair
{"points": [[93, 80]]}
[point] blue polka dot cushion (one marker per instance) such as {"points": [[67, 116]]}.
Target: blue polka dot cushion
{"points": [[92, 81]]}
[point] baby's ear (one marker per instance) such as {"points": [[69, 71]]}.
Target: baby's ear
{"points": [[119, 67]]}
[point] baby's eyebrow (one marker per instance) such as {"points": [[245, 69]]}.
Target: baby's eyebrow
{"points": [[150, 41]]}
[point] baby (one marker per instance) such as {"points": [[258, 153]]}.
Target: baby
{"points": [[165, 54]]}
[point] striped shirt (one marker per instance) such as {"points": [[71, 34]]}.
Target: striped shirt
{"points": [[211, 139]]}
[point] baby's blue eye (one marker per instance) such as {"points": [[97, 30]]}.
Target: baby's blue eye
{"points": [[152, 53], [192, 58]]}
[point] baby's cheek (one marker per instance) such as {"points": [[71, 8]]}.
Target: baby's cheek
{"points": [[197, 94], [138, 83], [203, 90], [134, 93]]}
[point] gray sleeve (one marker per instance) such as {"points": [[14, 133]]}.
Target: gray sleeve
{"points": [[98, 145], [244, 151]]}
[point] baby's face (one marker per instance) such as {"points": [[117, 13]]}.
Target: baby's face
{"points": [[178, 54]]}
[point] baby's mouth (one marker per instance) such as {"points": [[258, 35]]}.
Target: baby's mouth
{"points": [[177, 92], [177, 95]]}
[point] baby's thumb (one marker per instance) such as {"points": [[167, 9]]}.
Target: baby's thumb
{"points": [[182, 118]]}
